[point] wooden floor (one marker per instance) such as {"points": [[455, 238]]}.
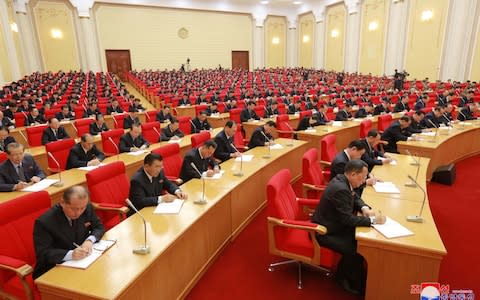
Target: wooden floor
{"points": [[133, 91]]}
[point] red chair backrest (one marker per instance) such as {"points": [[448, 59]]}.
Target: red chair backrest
{"points": [[151, 131], [83, 126], [79, 110], [305, 113], [199, 138], [384, 121], [17, 218], [172, 161], [329, 148], [60, 150], [235, 115], [19, 119], [3, 156], [260, 110], [281, 197], [184, 124], [151, 115], [365, 127], [109, 184], [282, 125], [34, 135], [107, 146], [199, 108], [312, 172], [118, 120], [282, 109], [50, 113], [238, 138]]}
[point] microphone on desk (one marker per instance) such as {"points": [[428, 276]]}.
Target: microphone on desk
{"points": [[436, 131], [268, 140], [59, 183], [194, 126], [116, 147], [446, 118], [433, 124], [413, 183], [145, 249], [290, 144], [239, 173], [415, 161], [203, 200], [418, 218]]}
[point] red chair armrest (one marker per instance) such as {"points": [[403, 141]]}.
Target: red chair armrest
{"points": [[18, 266], [300, 223], [308, 202]]}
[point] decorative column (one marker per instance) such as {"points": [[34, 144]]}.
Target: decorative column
{"points": [[292, 42], [459, 44], [9, 43], [30, 49], [396, 36], [352, 41], [87, 36], [319, 42], [258, 54]]}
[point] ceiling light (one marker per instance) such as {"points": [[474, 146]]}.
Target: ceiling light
{"points": [[14, 27], [335, 33], [306, 39], [56, 33], [276, 40], [427, 15], [297, 2], [264, 2], [372, 26]]}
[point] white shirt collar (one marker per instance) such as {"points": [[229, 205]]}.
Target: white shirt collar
{"points": [[149, 176], [346, 153]]}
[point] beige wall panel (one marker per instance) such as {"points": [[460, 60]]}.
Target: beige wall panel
{"points": [[334, 51], [275, 41], [4, 63], [425, 38], [16, 38], [154, 36], [475, 74], [306, 39], [60, 53], [372, 40]]}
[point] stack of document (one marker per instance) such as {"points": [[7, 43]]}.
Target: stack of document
{"points": [[173, 207], [432, 133], [393, 162], [386, 187], [276, 147], [337, 123], [392, 229], [40, 186], [310, 130], [215, 176], [98, 249], [89, 168], [136, 153]]}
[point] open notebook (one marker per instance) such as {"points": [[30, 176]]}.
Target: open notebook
{"points": [[98, 249]]}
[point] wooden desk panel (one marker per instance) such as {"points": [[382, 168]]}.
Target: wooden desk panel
{"points": [[250, 127], [185, 111], [218, 121]]}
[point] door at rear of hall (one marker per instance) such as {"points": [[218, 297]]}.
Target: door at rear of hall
{"points": [[240, 60], [118, 62]]}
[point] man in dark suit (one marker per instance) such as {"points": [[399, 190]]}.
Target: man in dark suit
{"points": [[345, 114], [397, 131], [421, 102], [354, 150], [64, 115], [212, 109], [337, 211], [53, 132], [433, 118], [114, 108], [4, 121], [262, 136], [171, 131], [164, 114], [382, 108], [200, 123], [98, 126], [148, 184], [468, 112], [19, 170], [371, 154], [184, 101], [308, 122], [322, 114], [34, 118], [249, 114], [84, 153], [133, 140], [92, 110], [130, 119], [402, 105], [272, 110], [416, 125], [5, 138], [224, 141], [55, 233], [202, 158], [365, 111], [294, 108]]}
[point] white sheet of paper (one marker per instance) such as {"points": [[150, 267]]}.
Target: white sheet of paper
{"points": [[392, 229], [89, 168], [428, 133], [337, 123], [245, 157], [173, 207], [40, 186], [386, 187], [310, 130], [84, 262], [171, 141], [136, 153], [357, 120], [276, 147], [393, 162], [215, 176]]}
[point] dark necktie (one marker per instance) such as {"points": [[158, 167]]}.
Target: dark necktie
{"points": [[21, 173], [2, 145]]}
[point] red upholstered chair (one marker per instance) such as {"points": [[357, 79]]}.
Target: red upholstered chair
{"points": [[305, 113], [239, 139], [151, 115], [283, 128], [290, 233], [172, 161], [50, 113], [199, 108], [365, 127], [82, 126], [34, 135], [329, 150], [60, 150], [79, 110], [314, 182], [383, 122], [151, 131], [235, 115], [199, 138], [3, 156], [184, 124], [260, 110], [109, 186], [19, 118], [111, 140], [17, 253], [118, 120]]}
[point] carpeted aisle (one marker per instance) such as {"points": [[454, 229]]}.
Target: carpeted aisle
{"points": [[241, 271]]}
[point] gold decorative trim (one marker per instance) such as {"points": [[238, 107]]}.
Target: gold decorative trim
{"points": [[183, 33]]}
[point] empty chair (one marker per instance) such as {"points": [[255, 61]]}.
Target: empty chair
{"points": [[34, 135], [172, 161], [19, 118], [235, 115], [383, 122], [290, 233], [314, 182], [199, 108], [199, 138], [328, 152], [260, 110], [118, 120], [17, 253], [82, 126], [151, 115], [365, 127], [283, 128], [151, 131], [111, 140], [239, 139], [109, 186], [184, 124], [60, 150]]}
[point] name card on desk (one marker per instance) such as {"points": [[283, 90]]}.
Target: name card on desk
{"points": [[337, 123], [40, 186], [392, 229], [168, 208]]}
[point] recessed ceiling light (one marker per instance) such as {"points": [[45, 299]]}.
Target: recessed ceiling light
{"points": [[297, 2], [264, 2], [276, 40]]}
